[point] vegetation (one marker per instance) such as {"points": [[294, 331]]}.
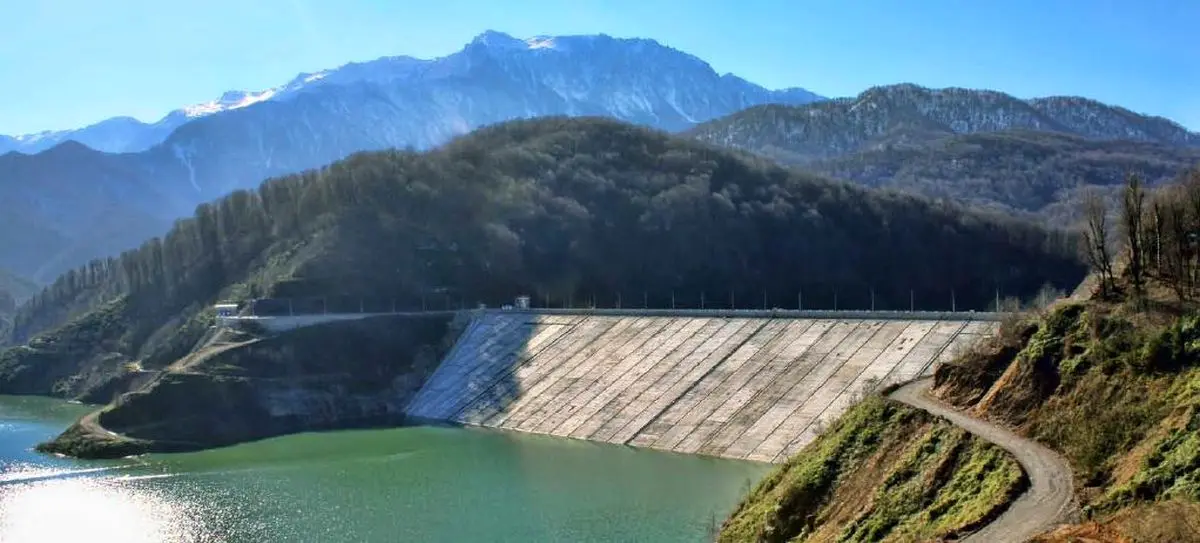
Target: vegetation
{"points": [[1022, 157], [239, 387], [1116, 390], [1111, 380], [883, 472], [561, 209], [1025, 173]]}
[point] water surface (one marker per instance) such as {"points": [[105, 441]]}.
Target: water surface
{"points": [[404, 484]]}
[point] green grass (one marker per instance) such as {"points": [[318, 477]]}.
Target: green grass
{"points": [[1116, 391], [934, 480], [953, 484]]}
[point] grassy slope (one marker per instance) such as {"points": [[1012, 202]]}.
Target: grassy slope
{"points": [[1117, 392], [883, 472]]}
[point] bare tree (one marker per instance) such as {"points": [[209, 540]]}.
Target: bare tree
{"points": [[1132, 212], [1156, 230], [1096, 236]]}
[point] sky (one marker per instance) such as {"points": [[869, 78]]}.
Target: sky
{"points": [[69, 63]]}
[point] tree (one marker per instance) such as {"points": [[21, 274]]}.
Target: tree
{"points": [[1095, 237], [1132, 212]]}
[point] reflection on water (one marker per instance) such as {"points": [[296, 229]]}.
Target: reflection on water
{"points": [[409, 484], [96, 509]]}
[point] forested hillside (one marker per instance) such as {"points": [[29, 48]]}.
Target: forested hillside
{"points": [[561, 209], [1012, 171], [1024, 157]]}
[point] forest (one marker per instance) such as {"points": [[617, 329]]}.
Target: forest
{"points": [[1041, 173], [566, 210], [1151, 240]]}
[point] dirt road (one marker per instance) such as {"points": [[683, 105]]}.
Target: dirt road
{"points": [[1050, 499]]}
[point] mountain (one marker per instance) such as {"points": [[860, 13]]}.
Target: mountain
{"points": [[983, 147], [126, 134], [637, 80], [71, 204], [13, 291], [1013, 171], [559, 208], [395, 102], [909, 115]]}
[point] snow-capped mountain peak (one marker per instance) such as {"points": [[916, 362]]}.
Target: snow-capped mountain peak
{"points": [[638, 80], [498, 40], [229, 100]]}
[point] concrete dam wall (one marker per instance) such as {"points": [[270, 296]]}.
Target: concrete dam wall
{"points": [[756, 388]]}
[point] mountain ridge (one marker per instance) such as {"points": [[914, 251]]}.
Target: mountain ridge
{"points": [[395, 102], [903, 113], [123, 134], [1029, 157]]}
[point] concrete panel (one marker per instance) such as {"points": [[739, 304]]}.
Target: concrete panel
{"points": [[758, 387], [447, 379], [694, 407], [630, 402], [471, 371], [654, 353], [749, 403], [527, 383], [534, 398], [470, 407], [571, 392], [712, 414], [509, 385], [872, 362], [925, 351], [808, 372], [590, 397], [818, 395], [643, 429]]}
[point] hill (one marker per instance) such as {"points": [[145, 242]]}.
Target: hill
{"points": [[882, 472], [1109, 378], [557, 208], [69, 203], [983, 147], [1016, 172], [899, 115], [239, 387]]}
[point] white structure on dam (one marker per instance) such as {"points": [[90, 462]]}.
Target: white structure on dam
{"points": [[753, 384]]}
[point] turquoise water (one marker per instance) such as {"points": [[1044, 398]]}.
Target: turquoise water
{"points": [[404, 484]]}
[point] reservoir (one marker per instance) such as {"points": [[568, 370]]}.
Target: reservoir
{"points": [[404, 484]]}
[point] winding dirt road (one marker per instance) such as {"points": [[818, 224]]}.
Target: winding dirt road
{"points": [[1050, 499]]}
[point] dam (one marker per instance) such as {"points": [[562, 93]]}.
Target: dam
{"points": [[753, 385]]}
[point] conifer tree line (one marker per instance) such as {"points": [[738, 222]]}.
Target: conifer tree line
{"points": [[560, 208], [1152, 237]]}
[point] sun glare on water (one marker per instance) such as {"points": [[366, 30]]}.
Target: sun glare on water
{"points": [[97, 509]]}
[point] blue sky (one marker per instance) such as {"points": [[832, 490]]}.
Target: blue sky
{"points": [[67, 63]]}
